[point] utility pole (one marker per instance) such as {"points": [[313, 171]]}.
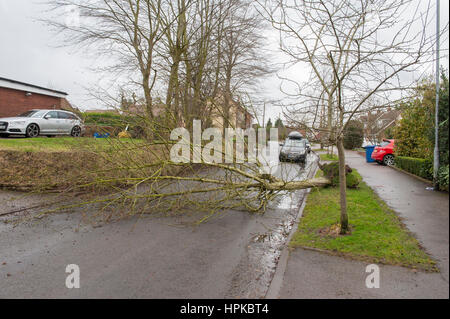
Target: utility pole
{"points": [[436, 118], [264, 115]]}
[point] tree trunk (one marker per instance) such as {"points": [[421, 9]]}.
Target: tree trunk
{"points": [[342, 186], [148, 96]]}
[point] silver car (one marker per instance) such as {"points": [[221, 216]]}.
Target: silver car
{"points": [[42, 122]]}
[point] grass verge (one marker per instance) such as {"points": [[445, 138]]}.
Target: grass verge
{"points": [[62, 163], [328, 157], [56, 144], [377, 234]]}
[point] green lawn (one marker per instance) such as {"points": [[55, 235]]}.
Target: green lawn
{"points": [[326, 157], [377, 235], [56, 144]]}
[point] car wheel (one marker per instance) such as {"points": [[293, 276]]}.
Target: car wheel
{"points": [[32, 130], [388, 160], [76, 131]]}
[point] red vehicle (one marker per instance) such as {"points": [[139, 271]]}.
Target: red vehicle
{"points": [[384, 154]]}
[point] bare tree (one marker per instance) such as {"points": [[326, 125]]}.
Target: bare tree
{"points": [[126, 31], [195, 50], [242, 57], [354, 50]]}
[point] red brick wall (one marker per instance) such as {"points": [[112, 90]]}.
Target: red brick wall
{"points": [[14, 102]]}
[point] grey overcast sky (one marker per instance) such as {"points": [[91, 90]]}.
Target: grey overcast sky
{"points": [[29, 54]]}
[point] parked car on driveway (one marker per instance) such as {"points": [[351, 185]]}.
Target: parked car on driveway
{"points": [[42, 122], [293, 150], [384, 154]]}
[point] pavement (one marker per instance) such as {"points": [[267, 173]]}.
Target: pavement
{"points": [[233, 255], [310, 274]]}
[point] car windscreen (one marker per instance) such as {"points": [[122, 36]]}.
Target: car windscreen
{"points": [[32, 114], [385, 143]]}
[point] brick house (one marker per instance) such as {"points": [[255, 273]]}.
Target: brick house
{"points": [[18, 97], [239, 116], [377, 123]]}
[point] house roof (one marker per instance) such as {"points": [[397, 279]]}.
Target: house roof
{"points": [[390, 115], [22, 86]]}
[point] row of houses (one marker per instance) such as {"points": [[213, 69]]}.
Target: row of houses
{"points": [[18, 97], [378, 123]]}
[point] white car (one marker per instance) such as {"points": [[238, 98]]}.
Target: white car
{"points": [[42, 122]]}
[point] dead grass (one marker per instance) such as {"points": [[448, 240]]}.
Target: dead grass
{"points": [[82, 164]]}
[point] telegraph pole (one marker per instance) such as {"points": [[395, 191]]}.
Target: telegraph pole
{"points": [[264, 115], [436, 118]]}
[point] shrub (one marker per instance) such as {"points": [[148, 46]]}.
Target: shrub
{"points": [[443, 120], [331, 171], [111, 119], [353, 179], [443, 177], [417, 166], [353, 135], [412, 134], [114, 123]]}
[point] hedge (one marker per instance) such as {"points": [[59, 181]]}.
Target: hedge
{"points": [[443, 177], [113, 123], [104, 119], [417, 166]]}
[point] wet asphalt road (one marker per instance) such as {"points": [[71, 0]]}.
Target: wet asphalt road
{"points": [[233, 255]]}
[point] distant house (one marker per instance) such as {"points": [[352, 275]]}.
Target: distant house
{"points": [[239, 116], [139, 109], [376, 124], [18, 97]]}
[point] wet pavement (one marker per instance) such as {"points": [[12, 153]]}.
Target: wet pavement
{"points": [[311, 274], [233, 255]]}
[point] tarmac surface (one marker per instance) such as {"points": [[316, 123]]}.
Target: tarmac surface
{"points": [[233, 255]]}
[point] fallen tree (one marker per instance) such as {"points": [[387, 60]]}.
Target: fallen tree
{"points": [[122, 177]]}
